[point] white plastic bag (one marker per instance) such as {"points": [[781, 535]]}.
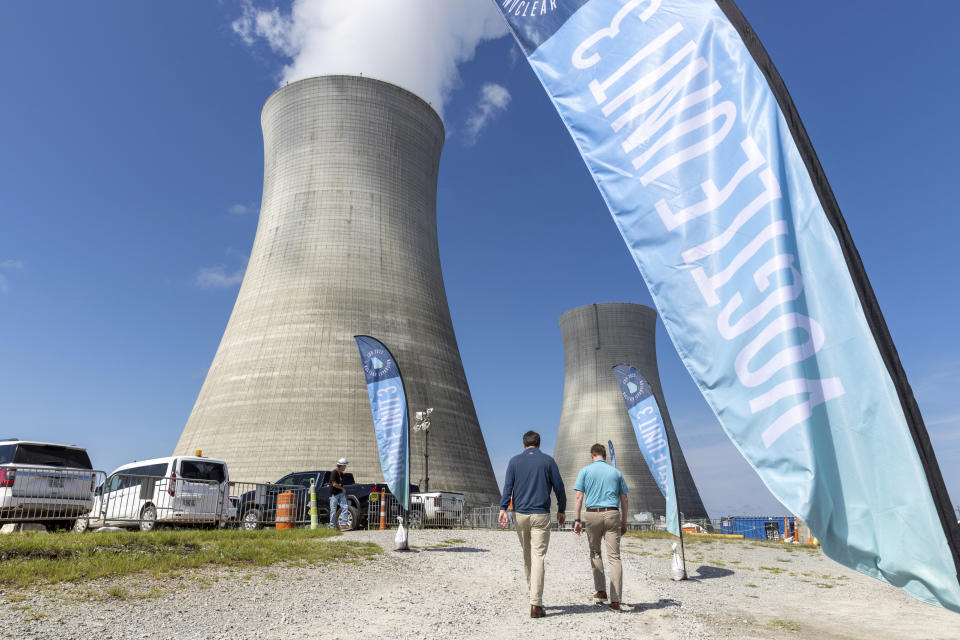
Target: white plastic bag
{"points": [[400, 540], [677, 570]]}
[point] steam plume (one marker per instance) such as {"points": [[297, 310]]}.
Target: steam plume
{"points": [[416, 44]]}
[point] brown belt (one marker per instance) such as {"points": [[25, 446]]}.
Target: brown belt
{"points": [[595, 509]]}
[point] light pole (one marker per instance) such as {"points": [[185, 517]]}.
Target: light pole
{"points": [[423, 424]]}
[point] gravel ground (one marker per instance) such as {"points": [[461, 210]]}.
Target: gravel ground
{"points": [[473, 587]]}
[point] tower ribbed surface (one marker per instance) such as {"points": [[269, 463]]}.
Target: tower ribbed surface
{"points": [[346, 244], [595, 338]]}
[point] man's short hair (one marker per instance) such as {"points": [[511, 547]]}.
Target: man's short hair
{"points": [[531, 439], [598, 450]]}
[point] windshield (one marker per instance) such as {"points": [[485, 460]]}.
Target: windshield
{"points": [[51, 455]]}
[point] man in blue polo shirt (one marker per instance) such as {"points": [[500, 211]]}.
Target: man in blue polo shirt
{"points": [[603, 490], [530, 477]]}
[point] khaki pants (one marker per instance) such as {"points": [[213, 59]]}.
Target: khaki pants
{"points": [[604, 526], [534, 532]]}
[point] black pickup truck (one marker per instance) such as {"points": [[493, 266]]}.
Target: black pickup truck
{"points": [[258, 507]]}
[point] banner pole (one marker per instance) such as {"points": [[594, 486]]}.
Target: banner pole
{"points": [[676, 496]]}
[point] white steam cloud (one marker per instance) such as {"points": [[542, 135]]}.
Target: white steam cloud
{"points": [[493, 99], [218, 277], [414, 44]]}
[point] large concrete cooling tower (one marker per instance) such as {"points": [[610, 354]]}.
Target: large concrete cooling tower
{"points": [[595, 338], [346, 244]]}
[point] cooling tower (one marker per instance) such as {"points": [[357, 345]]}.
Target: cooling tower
{"points": [[346, 244], [595, 338]]}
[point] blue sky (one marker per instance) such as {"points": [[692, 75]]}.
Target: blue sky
{"points": [[130, 177]]}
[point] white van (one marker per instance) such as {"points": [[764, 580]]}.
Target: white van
{"points": [[173, 490]]}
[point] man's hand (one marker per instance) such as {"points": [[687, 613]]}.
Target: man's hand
{"points": [[561, 518], [503, 518], [577, 527], [623, 527]]}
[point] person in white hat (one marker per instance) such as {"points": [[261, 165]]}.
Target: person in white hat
{"points": [[338, 495]]}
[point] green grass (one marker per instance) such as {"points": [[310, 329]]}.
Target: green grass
{"points": [[784, 625], [33, 560], [773, 569]]}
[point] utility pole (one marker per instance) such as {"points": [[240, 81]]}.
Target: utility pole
{"points": [[423, 424]]}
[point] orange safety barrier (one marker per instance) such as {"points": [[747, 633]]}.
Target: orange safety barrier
{"points": [[383, 509], [286, 506]]}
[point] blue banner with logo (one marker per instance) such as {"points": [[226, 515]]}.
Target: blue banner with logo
{"points": [[613, 456], [700, 155], [388, 402], [651, 436]]}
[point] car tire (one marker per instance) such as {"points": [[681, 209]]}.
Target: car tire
{"points": [[353, 517], [81, 524], [415, 520], [252, 520], [148, 518]]}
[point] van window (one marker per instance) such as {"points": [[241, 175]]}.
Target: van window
{"points": [[202, 470], [152, 470], [6, 453], [51, 456]]}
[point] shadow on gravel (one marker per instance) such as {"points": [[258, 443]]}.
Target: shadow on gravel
{"points": [[566, 609], [705, 572], [627, 607], [662, 603], [457, 549]]}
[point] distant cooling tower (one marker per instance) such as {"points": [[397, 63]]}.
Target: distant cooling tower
{"points": [[595, 338], [346, 244]]}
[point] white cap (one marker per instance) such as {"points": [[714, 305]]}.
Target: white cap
{"points": [[342, 462]]}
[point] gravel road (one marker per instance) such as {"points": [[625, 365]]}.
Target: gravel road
{"points": [[469, 584]]}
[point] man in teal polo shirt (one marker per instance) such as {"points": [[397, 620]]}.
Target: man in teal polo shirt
{"points": [[604, 491]]}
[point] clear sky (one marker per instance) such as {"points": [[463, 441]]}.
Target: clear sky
{"points": [[130, 179]]}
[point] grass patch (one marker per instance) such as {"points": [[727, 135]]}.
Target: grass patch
{"points": [[651, 535], [118, 592], [773, 569], [824, 585], [28, 560], [443, 544], [751, 585], [784, 625]]}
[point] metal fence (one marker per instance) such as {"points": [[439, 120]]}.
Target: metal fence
{"points": [[48, 495], [487, 518], [427, 511], [144, 502], [260, 505]]}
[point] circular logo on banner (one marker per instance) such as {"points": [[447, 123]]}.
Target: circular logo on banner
{"points": [[378, 365], [527, 8], [633, 388]]}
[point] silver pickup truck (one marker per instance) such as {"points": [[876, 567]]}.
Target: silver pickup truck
{"points": [[440, 508]]}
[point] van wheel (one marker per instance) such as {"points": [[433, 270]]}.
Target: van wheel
{"points": [[80, 525], [251, 520], [148, 518]]}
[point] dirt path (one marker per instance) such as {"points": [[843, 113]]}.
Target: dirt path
{"points": [[469, 584]]}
